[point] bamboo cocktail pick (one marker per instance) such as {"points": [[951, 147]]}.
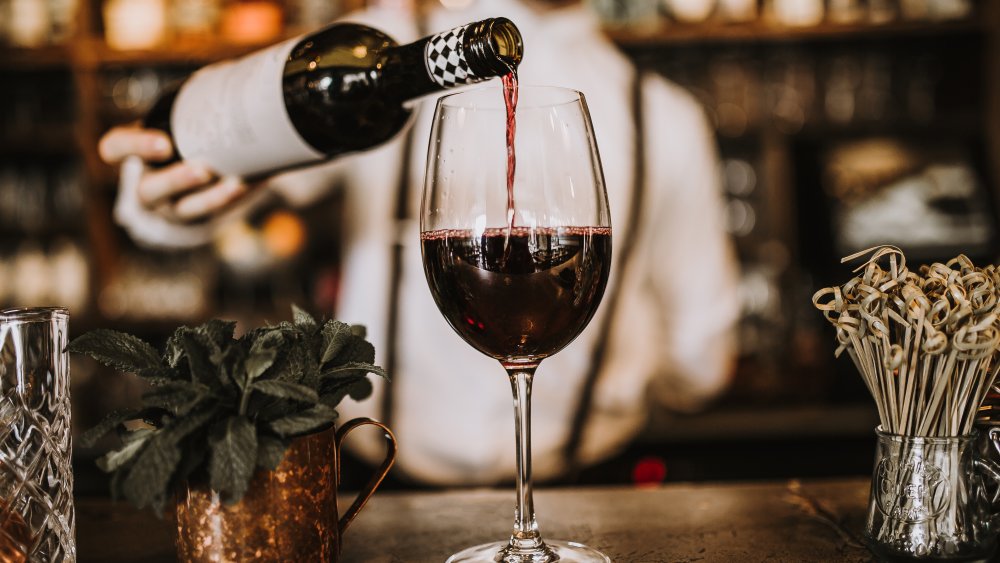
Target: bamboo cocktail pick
{"points": [[925, 344]]}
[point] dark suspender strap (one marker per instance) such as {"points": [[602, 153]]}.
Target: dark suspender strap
{"points": [[600, 351], [400, 215]]}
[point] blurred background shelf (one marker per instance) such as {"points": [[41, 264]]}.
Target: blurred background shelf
{"points": [[40, 141], [35, 58], [195, 52]]}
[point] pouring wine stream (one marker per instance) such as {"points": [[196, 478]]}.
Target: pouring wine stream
{"points": [[510, 102]]}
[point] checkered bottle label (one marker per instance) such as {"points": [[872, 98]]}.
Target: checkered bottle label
{"points": [[446, 62]]}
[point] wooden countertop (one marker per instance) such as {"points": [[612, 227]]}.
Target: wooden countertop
{"points": [[753, 522]]}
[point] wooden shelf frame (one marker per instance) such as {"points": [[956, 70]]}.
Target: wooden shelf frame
{"points": [[761, 31], [91, 53]]}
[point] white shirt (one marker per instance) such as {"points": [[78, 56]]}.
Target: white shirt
{"points": [[453, 416]]}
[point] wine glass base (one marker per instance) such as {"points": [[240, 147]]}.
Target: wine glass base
{"points": [[565, 551]]}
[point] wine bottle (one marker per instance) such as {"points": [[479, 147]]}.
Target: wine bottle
{"points": [[338, 90]]}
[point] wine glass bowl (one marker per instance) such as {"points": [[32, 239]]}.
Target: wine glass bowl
{"points": [[520, 294], [516, 243], [522, 280]]}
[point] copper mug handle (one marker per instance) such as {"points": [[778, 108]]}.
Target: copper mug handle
{"points": [[377, 477]]}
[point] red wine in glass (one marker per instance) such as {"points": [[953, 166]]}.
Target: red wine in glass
{"points": [[518, 293]]}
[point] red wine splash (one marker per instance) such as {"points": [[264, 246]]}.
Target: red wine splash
{"points": [[510, 101]]}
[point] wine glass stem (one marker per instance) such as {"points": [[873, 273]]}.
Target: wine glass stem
{"points": [[526, 540]]}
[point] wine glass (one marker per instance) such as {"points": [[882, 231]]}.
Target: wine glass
{"points": [[516, 269]]}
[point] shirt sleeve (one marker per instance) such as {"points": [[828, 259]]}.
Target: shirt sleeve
{"points": [[151, 230]]}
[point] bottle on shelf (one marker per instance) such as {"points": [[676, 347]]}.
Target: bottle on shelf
{"points": [[135, 24], [29, 24], [249, 22], [194, 20], [338, 90]]}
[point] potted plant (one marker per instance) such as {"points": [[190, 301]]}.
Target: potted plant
{"points": [[239, 433]]}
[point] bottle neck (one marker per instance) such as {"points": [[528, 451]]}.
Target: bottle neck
{"points": [[464, 55]]}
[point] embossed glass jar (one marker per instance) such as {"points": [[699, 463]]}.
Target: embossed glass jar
{"points": [[929, 499]]}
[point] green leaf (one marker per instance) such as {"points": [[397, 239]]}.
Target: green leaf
{"points": [[147, 480], [116, 349], [117, 458], [305, 421], [178, 397], [303, 365], [181, 427], [302, 319], [295, 366], [159, 375], [234, 456], [270, 451], [354, 368], [264, 408], [110, 422], [198, 349], [292, 356], [287, 390], [174, 351], [218, 332], [232, 365], [262, 353], [336, 335], [356, 350], [358, 388]]}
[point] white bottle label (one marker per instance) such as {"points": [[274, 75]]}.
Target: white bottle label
{"points": [[231, 116]]}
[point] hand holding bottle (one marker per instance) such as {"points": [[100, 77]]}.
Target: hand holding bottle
{"points": [[343, 89], [181, 192]]}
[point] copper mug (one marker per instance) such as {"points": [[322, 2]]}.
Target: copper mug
{"points": [[287, 514]]}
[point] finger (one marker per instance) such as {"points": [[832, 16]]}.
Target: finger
{"points": [[211, 200], [120, 142], [170, 182]]}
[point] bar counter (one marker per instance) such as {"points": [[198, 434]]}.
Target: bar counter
{"points": [[751, 522]]}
